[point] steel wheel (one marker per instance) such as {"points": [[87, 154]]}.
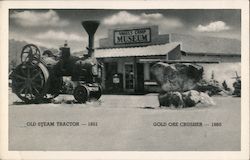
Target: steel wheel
{"points": [[97, 95], [29, 81], [81, 94], [29, 53]]}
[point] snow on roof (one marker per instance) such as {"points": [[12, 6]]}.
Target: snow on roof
{"points": [[136, 51]]}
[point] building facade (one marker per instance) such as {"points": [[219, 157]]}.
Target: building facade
{"points": [[128, 53]]}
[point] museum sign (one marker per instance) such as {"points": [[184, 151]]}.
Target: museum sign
{"points": [[132, 36]]}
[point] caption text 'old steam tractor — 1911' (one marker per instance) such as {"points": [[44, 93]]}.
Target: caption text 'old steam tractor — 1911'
{"points": [[40, 78]]}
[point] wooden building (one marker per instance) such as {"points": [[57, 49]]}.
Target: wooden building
{"points": [[128, 53]]}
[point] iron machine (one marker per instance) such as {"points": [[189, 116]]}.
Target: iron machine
{"points": [[39, 77]]}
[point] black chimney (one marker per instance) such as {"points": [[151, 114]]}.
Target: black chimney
{"points": [[90, 27]]}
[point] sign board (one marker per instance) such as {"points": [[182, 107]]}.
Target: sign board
{"points": [[132, 36], [116, 79]]}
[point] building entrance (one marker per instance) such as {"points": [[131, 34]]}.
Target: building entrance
{"points": [[129, 77], [111, 69]]}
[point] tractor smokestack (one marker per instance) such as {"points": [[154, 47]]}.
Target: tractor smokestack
{"points": [[90, 27]]}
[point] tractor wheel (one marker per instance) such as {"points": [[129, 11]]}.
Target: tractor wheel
{"points": [[98, 94], [81, 93], [29, 81], [30, 52]]}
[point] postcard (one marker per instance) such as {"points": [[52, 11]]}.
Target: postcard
{"points": [[124, 80]]}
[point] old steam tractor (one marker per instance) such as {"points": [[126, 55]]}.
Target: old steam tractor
{"points": [[39, 78]]}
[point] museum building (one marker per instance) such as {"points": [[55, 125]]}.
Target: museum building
{"points": [[128, 53]]}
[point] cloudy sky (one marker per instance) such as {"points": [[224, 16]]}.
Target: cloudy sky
{"points": [[52, 27]]}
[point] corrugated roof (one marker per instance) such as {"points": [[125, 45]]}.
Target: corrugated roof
{"points": [[136, 51]]}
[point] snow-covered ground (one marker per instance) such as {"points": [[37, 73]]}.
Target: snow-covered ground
{"points": [[124, 123]]}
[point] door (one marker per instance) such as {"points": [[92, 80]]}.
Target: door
{"points": [[129, 77], [110, 69], [140, 78]]}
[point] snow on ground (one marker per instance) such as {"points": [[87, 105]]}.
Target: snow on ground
{"points": [[124, 123]]}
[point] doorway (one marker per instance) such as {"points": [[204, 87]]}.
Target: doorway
{"points": [[111, 69], [140, 78], [129, 77]]}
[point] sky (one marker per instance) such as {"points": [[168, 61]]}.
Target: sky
{"points": [[51, 27]]}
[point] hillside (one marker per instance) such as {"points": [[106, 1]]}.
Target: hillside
{"points": [[15, 48]]}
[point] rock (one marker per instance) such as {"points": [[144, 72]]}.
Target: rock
{"points": [[176, 100], [164, 99], [171, 99], [177, 77], [206, 99], [186, 99], [179, 83], [191, 98], [161, 72], [211, 87], [225, 93]]}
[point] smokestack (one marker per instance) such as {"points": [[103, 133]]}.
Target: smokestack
{"points": [[90, 27]]}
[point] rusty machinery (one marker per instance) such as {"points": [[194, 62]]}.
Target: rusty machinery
{"points": [[40, 78]]}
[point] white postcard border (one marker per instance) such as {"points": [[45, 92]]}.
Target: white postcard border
{"points": [[179, 4]]}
